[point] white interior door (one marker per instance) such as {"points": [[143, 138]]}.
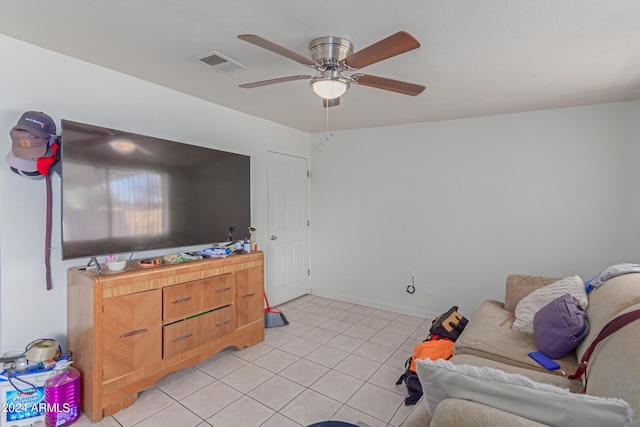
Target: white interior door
{"points": [[288, 256]]}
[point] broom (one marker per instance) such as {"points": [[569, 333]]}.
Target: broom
{"points": [[272, 316]]}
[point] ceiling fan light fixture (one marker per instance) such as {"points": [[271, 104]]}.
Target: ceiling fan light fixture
{"points": [[333, 56], [330, 88]]}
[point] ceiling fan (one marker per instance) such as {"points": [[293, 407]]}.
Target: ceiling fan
{"points": [[332, 57]]}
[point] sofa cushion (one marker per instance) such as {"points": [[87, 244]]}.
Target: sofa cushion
{"points": [[520, 285], [487, 336], [529, 305], [547, 377], [519, 395]]}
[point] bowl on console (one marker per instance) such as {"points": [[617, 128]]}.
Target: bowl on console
{"points": [[116, 265]]}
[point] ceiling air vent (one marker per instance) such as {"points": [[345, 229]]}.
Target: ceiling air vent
{"points": [[219, 62]]}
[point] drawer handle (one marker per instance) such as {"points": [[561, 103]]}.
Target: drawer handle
{"points": [[136, 332], [183, 337], [179, 300], [253, 294], [223, 289], [224, 322]]}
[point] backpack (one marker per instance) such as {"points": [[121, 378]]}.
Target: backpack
{"points": [[414, 388], [434, 347], [449, 324], [560, 326]]}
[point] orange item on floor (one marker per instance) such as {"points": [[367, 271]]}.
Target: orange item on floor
{"points": [[437, 349]]}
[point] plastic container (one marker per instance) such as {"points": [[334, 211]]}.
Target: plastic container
{"points": [[62, 396], [252, 239], [23, 409]]}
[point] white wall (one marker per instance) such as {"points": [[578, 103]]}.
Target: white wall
{"points": [[64, 88], [632, 190], [464, 203]]}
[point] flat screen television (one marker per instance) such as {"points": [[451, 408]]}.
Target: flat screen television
{"points": [[123, 192]]}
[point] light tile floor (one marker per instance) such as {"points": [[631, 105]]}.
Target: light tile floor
{"points": [[335, 360]]}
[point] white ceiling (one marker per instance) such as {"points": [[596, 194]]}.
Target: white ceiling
{"points": [[476, 58]]}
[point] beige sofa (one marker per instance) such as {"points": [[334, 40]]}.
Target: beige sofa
{"points": [[489, 341]]}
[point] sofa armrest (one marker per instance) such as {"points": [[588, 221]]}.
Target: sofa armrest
{"points": [[520, 285], [456, 413]]}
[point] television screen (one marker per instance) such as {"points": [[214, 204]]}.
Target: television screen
{"points": [[124, 192]]}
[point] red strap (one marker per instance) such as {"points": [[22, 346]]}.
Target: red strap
{"points": [[613, 325], [43, 164], [580, 371]]}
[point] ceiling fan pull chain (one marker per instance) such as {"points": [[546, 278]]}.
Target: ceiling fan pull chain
{"points": [[327, 125], [328, 133]]}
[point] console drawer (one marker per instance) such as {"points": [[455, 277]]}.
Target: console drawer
{"points": [[190, 333], [188, 299]]}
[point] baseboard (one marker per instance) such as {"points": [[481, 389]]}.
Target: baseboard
{"points": [[376, 304]]}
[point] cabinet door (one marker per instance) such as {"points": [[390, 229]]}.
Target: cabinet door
{"points": [[132, 332], [249, 300]]}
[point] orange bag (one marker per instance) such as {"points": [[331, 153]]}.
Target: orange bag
{"points": [[436, 349]]}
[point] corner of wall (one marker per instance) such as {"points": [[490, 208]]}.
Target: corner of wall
{"points": [[1, 299]]}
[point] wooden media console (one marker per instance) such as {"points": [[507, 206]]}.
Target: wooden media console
{"points": [[128, 329]]}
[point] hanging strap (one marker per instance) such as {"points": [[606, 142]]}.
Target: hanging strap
{"points": [[47, 240], [44, 167], [609, 328]]}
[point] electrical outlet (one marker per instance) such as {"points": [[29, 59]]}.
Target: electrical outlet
{"points": [[429, 289]]}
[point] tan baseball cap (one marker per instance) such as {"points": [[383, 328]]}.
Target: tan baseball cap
{"points": [[30, 136]]}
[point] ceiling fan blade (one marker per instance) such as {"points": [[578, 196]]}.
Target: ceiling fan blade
{"points": [[393, 45], [276, 48], [273, 81], [389, 84], [326, 103]]}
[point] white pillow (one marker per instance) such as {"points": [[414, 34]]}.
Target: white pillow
{"points": [[519, 395], [529, 305]]}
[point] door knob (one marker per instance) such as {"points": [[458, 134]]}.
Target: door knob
{"points": [[274, 237]]}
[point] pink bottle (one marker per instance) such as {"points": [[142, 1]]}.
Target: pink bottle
{"points": [[62, 395]]}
